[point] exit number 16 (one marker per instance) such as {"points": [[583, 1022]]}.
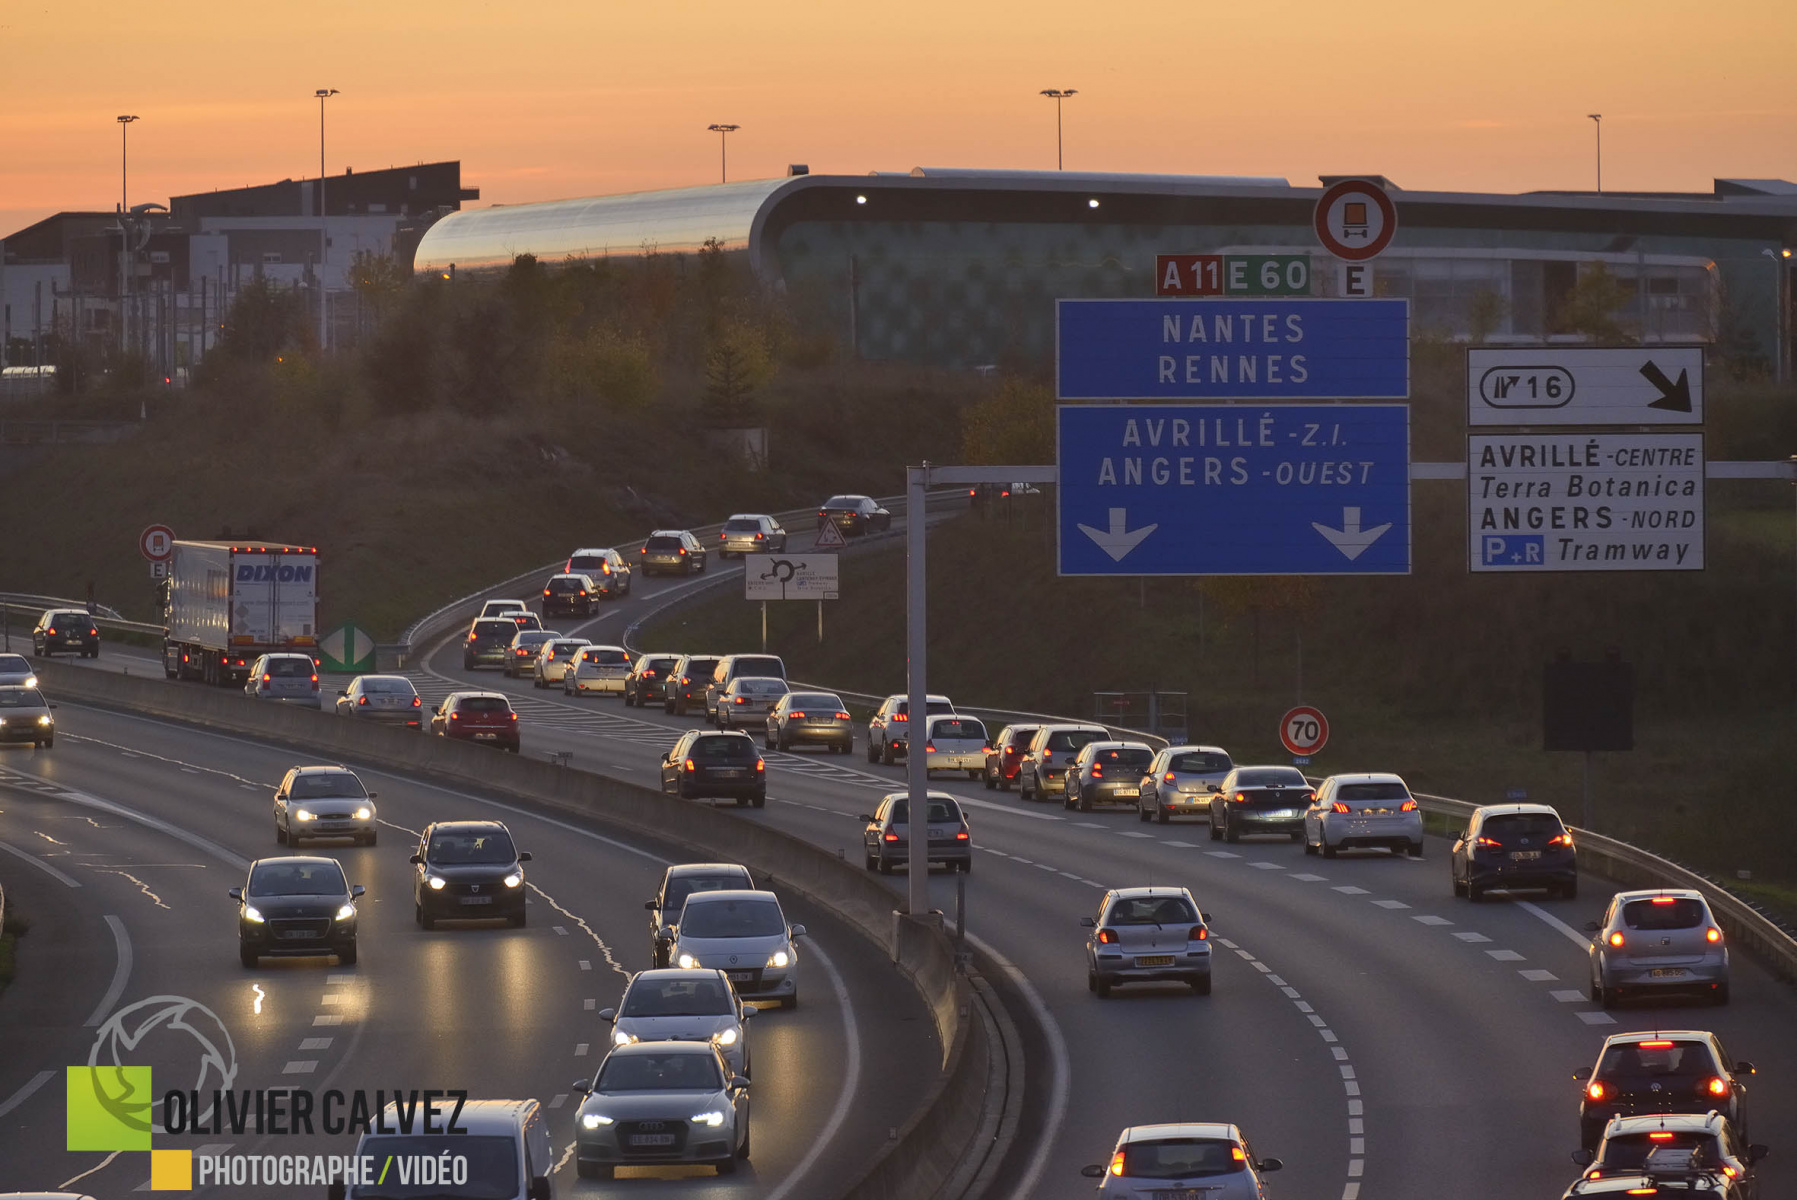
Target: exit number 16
{"points": [[1232, 275]]}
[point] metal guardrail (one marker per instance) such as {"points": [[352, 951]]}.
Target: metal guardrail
{"points": [[31, 607]]}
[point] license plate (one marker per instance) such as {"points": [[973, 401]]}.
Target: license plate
{"points": [[651, 1139], [1127, 792], [1178, 1193], [298, 933], [1524, 855], [485, 737], [727, 772], [477, 899], [740, 976], [1283, 814], [1667, 973], [1155, 960]]}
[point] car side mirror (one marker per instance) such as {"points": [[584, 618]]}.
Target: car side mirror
{"points": [[357, 891], [1582, 1074], [236, 894], [1092, 1171], [1088, 922], [1743, 1067], [1216, 787], [343, 691], [739, 1083], [52, 705], [868, 817], [524, 856], [1269, 1164], [1583, 1158], [1205, 917], [1756, 1152], [749, 1010], [608, 1014], [418, 859], [799, 931], [651, 905], [581, 1086], [374, 795]]}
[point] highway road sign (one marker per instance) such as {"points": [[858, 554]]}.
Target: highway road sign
{"points": [[1585, 502], [829, 537], [789, 577], [1232, 274], [156, 543], [1295, 348], [1585, 385], [159, 568], [1355, 219], [1223, 489], [1304, 730], [347, 649]]}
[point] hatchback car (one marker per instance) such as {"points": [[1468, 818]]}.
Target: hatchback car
{"points": [[690, 680], [324, 802], [485, 717], [853, 515], [1514, 846], [570, 595], [25, 717], [672, 1005], [390, 699], [661, 1102], [672, 552], [1106, 772], [16, 671], [746, 702], [526, 643], [1628, 1142], [489, 642], [1005, 754], [745, 935], [1148, 935], [677, 883], [554, 659], [1180, 780], [886, 728], [500, 1150], [751, 533], [647, 681], [596, 670], [609, 570], [296, 905], [1668, 1175], [499, 608], [733, 666], [1662, 940], [1662, 1071], [1042, 772], [955, 742], [467, 871], [1353, 812], [886, 838], [809, 718], [705, 765], [289, 677], [1260, 800], [1185, 1161], [65, 631]]}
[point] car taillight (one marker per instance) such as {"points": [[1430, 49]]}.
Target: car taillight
{"points": [[1654, 1045], [266, 677], [930, 748], [608, 568], [686, 679], [1117, 1163], [683, 549], [689, 765], [1097, 771], [961, 836], [1715, 1085], [471, 637], [1487, 842], [1659, 1137], [796, 715], [314, 681], [1712, 934], [417, 702], [899, 717], [513, 716], [455, 716], [363, 702], [1107, 937], [643, 550], [742, 700], [891, 837], [842, 716], [1561, 839], [1407, 806], [1595, 1090], [93, 633], [1616, 938], [761, 764], [1169, 777], [761, 537], [1664, 900], [51, 631], [1199, 934], [649, 674], [1240, 797], [1236, 1154], [545, 593], [1340, 807]]}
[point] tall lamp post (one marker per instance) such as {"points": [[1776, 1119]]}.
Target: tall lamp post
{"points": [[1598, 120], [125, 253], [1058, 95], [1781, 364], [723, 132], [324, 232]]}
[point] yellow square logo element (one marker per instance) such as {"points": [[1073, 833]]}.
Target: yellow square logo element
{"points": [[171, 1170]]}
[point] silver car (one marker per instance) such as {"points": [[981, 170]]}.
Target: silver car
{"points": [[1179, 782], [746, 701], [292, 677], [328, 802], [25, 717], [1042, 771], [661, 1102], [386, 698], [596, 669], [683, 1006], [751, 533], [954, 742], [745, 935], [16, 671], [553, 659], [1200, 1160], [526, 643], [1147, 935], [1664, 940], [1352, 812], [1105, 772]]}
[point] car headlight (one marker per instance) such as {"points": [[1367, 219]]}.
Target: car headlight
{"points": [[364, 813], [252, 914], [437, 883], [778, 958], [620, 1038], [714, 1118], [726, 1038], [2, 722], [31, 681], [687, 962], [44, 720], [595, 1120], [302, 814], [514, 879]]}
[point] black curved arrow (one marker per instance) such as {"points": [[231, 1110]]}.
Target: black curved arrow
{"points": [[1674, 397]]}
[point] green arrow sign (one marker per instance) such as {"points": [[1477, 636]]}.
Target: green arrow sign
{"points": [[348, 650]]}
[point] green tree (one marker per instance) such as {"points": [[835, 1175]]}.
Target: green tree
{"points": [[1485, 312], [1591, 306], [737, 363], [378, 279], [265, 323]]}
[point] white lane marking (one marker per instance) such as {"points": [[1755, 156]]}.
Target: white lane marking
{"points": [[325, 1020], [1349, 889], [589, 1004], [1347, 1071], [1341, 1055], [1597, 1018], [1568, 995], [335, 978], [1072, 876], [598, 941], [851, 1080], [70, 795], [1467, 935], [121, 971], [1181, 845], [1505, 955], [1131, 833], [580, 1049], [557, 1100], [1310, 878], [562, 930], [1537, 975], [141, 885], [1221, 854], [1266, 866], [1028, 862], [24, 1093], [304, 1066], [1578, 939], [34, 860], [1303, 1005], [1394, 905], [1430, 919], [1059, 1071], [48, 838], [1045, 867], [331, 998], [319, 1043], [586, 964], [190, 768], [260, 996], [1090, 825]]}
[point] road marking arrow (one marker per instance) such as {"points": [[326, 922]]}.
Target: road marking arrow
{"points": [[1350, 539], [1674, 397], [1119, 539]]}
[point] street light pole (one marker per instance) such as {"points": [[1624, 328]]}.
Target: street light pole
{"points": [[1598, 120], [324, 232], [125, 251], [723, 132], [1781, 326], [1058, 95]]}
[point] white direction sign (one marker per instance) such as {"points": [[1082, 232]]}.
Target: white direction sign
{"points": [[789, 577], [1580, 385], [1585, 502]]}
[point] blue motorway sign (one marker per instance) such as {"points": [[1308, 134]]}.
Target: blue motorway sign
{"points": [[1228, 348], [1234, 489]]}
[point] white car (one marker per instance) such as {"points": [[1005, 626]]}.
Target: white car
{"points": [[953, 742], [1658, 941], [1198, 1159], [324, 802], [16, 671], [554, 658], [660, 1102], [683, 1006], [745, 935], [1147, 935], [1354, 812], [597, 669]]}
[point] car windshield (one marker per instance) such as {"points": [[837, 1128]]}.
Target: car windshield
{"points": [[1370, 791], [1124, 756], [930, 708], [492, 1166], [388, 685], [1180, 1158], [1152, 910], [1278, 777], [1073, 739], [732, 918], [682, 886], [1629, 1151], [959, 727], [496, 629], [495, 607], [295, 878], [742, 525], [1019, 737], [326, 783], [488, 846], [659, 1073], [722, 749], [1200, 761], [1657, 1058], [286, 668], [1663, 912], [656, 664], [938, 811], [1522, 825], [12, 663], [563, 647], [705, 997], [663, 542], [483, 704], [21, 697]]}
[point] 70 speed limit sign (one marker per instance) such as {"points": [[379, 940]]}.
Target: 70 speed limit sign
{"points": [[1304, 730]]}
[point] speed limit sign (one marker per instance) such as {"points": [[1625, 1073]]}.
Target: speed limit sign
{"points": [[1304, 730]]}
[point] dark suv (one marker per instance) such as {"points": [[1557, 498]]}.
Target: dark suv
{"points": [[704, 764], [1514, 846], [65, 630], [467, 871], [489, 642], [688, 682], [296, 905]]}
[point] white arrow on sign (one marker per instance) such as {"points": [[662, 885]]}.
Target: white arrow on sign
{"points": [[1119, 539], [1350, 539]]}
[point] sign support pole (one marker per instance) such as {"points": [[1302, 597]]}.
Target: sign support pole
{"points": [[764, 626], [820, 622], [1588, 818], [917, 482]]}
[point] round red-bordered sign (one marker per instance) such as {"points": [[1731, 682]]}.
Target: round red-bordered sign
{"points": [[1304, 730], [157, 543], [1355, 219]]}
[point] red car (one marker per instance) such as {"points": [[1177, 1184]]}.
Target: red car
{"points": [[477, 717], [1005, 753]]}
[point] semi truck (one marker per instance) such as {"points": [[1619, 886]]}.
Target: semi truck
{"points": [[229, 603]]}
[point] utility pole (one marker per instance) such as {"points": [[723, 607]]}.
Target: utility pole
{"points": [[324, 232], [723, 132], [126, 254], [1058, 95]]}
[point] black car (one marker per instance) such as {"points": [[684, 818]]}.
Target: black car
{"points": [[296, 905], [489, 642], [854, 515], [706, 765], [1514, 846], [1260, 800], [65, 630], [679, 882], [648, 679], [1663, 1071], [467, 871], [575, 595], [688, 683]]}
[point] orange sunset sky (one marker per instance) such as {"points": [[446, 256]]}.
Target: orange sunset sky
{"points": [[548, 98]]}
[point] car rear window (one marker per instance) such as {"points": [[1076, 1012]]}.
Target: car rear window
{"points": [[607, 658], [1657, 1058], [388, 686], [325, 783], [663, 543], [567, 583], [1522, 825], [505, 628], [761, 687], [1180, 1158], [1152, 910], [1126, 756], [1276, 777], [843, 502], [723, 749], [749, 526], [759, 664], [483, 704], [286, 668], [1020, 736], [1664, 912], [1372, 791], [959, 727], [657, 664], [682, 886], [1074, 739], [732, 918], [938, 811], [1629, 1151], [677, 998], [535, 637], [1199, 760], [802, 700], [587, 562], [700, 667]]}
